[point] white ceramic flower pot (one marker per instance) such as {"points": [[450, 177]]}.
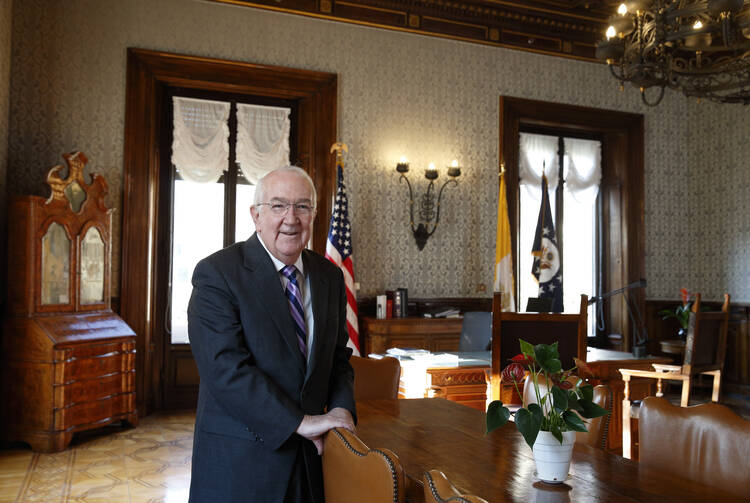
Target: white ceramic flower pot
{"points": [[552, 458]]}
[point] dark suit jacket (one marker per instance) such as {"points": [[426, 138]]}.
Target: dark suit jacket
{"points": [[255, 386]]}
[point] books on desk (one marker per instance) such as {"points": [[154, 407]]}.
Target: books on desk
{"points": [[442, 312]]}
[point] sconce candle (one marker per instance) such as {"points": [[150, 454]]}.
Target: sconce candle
{"points": [[402, 166], [429, 211], [454, 170]]}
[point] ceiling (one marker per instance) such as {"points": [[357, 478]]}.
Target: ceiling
{"points": [[567, 28]]}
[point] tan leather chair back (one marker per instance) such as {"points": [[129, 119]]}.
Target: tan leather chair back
{"points": [[708, 443], [375, 379], [597, 427], [354, 473], [438, 489]]}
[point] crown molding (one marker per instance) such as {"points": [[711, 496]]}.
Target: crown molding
{"points": [[566, 28]]}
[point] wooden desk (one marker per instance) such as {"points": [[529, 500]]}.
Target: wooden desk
{"points": [[438, 434], [464, 382], [433, 334]]}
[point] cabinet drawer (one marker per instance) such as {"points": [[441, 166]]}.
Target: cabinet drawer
{"points": [[74, 369], [91, 350], [81, 415], [92, 389]]}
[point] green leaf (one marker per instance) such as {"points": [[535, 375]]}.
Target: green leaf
{"points": [[559, 399], [526, 348], [497, 415], [574, 421], [591, 410], [528, 423], [536, 411], [548, 358], [587, 392], [555, 430], [573, 402]]}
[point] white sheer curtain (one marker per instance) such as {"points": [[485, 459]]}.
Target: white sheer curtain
{"points": [[200, 148], [583, 173], [582, 168], [262, 139], [535, 151]]}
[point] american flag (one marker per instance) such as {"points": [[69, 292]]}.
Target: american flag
{"points": [[339, 251]]}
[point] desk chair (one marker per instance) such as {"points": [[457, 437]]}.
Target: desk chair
{"points": [[438, 489], [705, 349], [375, 379], [568, 330], [476, 331], [354, 472], [598, 426], [707, 443]]}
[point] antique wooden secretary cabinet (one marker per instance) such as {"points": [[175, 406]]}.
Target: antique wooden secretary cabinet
{"points": [[68, 360]]}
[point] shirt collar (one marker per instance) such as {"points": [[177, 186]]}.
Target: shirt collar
{"points": [[278, 264]]}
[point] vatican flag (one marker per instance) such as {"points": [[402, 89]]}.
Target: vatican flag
{"points": [[503, 258]]}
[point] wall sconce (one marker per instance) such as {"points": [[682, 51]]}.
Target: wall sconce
{"points": [[429, 211]]}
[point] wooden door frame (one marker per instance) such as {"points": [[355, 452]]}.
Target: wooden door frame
{"points": [[623, 158], [148, 72]]}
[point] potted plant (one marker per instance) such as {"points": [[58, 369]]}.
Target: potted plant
{"points": [[681, 313], [549, 425]]}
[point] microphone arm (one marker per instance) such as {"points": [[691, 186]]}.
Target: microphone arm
{"points": [[639, 337], [641, 283]]}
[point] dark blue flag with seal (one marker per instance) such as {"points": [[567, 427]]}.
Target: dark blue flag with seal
{"points": [[546, 267]]}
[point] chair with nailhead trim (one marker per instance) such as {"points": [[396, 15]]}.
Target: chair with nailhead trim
{"points": [[354, 472]]}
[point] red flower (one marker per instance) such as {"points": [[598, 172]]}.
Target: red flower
{"points": [[513, 372], [522, 359], [685, 295]]}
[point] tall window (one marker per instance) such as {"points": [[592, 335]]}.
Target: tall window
{"points": [[219, 151], [573, 170]]}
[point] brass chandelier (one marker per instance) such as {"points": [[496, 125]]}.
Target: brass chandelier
{"points": [[699, 47]]}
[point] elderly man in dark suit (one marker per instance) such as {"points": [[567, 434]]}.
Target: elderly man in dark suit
{"points": [[267, 326]]}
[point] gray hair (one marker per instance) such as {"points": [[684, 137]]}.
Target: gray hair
{"points": [[260, 189]]}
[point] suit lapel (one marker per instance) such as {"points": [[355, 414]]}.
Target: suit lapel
{"points": [[319, 294], [266, 286]]}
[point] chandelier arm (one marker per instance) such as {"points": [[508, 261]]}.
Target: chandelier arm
{"points": [[658, 100], [411, 200]]}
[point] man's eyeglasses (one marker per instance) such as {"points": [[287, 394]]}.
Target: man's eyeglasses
{"points": [[281, 207]]}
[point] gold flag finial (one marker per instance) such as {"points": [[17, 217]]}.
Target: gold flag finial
{"points": [[502, 168], [339, 148]]}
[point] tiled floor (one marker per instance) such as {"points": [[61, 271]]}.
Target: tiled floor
{"points": [[147, 464]]}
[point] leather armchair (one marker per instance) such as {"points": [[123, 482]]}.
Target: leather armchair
{"points": [[375, 379], [707, 443], [438, 489], [354, 472]]}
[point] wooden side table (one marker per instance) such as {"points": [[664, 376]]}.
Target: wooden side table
{"points": [[673, 346]]}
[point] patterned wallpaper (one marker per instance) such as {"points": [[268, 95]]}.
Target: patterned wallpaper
{"points": [[719, 202], [5, 44], [429, 99]]}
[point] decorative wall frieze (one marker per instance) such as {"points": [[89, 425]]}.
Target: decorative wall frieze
{"points": [[568, 28]]}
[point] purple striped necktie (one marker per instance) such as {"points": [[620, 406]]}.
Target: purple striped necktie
{"points": [[294, 296]]}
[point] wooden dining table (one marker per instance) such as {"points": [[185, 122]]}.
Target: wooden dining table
{"points": [[434, 433]]}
